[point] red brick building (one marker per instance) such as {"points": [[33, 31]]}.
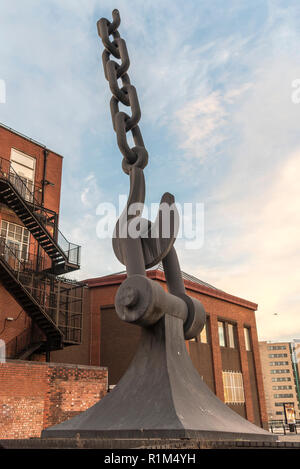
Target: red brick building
{"points": [[226, 353], [42, 314], [36, 395], [39, 310]]}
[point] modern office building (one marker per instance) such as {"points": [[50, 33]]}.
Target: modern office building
{"points": [[280, 366], [225, 354], [40, 311]]}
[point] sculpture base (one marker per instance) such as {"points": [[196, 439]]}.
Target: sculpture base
{"points": [[143, 444], [161, 396]]}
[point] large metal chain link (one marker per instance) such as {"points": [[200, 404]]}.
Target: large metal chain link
{"points": [[127, 95]]}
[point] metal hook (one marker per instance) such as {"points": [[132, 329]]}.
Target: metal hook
{"points": [[155, 239]]}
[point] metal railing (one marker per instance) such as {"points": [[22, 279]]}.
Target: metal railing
{"points": [[23, 262], [284, 429], [28, 190], [31, 193], [71, 250], [61, 299], [18, 344]]}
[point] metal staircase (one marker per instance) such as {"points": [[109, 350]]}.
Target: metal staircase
{"points": [[10, 279], [19, 197], [54, 304], [22, 346]]}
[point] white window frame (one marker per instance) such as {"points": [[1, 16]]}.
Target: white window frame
{"points": [[247, 339], [233, 386], [231, 335], [24, 240], [222, 336], [27, 189], [203, 335]]}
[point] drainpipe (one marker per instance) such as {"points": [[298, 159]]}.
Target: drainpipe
{"points": [[44, 175], [43, 199]]}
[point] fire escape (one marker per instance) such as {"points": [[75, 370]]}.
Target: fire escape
{"points": [[53, 303]]}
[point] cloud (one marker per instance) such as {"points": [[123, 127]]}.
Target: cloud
{"points": [[200, 124], [203, 124], [252, 236], [90, 194], [270, 240], [214, 84]]}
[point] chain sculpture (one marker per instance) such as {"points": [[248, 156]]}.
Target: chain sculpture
{"points": [[139, 299], [161, 395], [127, 95]]}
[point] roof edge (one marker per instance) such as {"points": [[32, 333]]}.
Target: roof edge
{"points": [[32, 140], [117, 279]]}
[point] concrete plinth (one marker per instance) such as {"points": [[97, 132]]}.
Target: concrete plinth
{"points": [[162, 397]]}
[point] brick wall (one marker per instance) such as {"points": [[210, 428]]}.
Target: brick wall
{"points": [[20, 332], [12, 332], [35, 395], [10, 139], [9, 308]]}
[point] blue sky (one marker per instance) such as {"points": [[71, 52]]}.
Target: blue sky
{"points": [[214, 81]]}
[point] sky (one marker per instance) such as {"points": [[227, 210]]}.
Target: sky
{"points": [[216, 83]]}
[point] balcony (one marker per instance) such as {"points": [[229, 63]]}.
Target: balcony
{"points": [[25, 199], [60, 299]]}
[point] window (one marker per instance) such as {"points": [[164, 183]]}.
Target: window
{"points": [[280, 404], [283, 395], [278, 363], [247, 339], [203, 335], [23, 166], [233, 387], [231, 341], [17, 239], [279, 371], [281, 387], [280, 379], [276, 347], [277, 355], [221, 331]]}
